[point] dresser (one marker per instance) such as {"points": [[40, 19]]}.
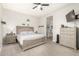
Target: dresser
{"points": [[9, 38], [69, 37]]}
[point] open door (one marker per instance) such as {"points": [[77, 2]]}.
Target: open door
{"points": [[49, 27]]}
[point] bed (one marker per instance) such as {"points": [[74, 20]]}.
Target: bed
{"points": [[27, 38]]}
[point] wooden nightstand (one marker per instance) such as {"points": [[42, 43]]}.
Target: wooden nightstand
{"points": [[9, 38]]}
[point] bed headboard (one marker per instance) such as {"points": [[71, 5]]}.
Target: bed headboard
{"points": [[23, 28]]}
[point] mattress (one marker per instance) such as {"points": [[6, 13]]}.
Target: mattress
{"points": [[21, 38]]}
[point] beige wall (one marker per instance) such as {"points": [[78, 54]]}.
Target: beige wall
{"points": [[14, 19], [59, 18]]}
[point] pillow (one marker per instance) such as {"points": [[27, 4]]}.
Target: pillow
{"points": [[30, 32], [27, 33]]}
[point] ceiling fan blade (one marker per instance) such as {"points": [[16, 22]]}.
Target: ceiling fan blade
{"points": [[45, 4], [35, 7], [37, 3]]}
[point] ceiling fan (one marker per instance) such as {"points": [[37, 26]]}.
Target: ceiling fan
{"points": [[40, 4]]}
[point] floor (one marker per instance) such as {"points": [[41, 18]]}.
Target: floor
{"points": [[47, 49]]}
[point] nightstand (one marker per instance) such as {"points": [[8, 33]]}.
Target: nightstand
{"points": [[9, 38]]}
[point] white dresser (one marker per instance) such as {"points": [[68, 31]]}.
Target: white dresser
{"points": [[69, 37]]}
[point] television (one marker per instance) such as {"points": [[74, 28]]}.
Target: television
{"points": [[70, 16]]}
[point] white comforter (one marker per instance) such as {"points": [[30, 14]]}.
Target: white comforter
{"points": [[20, 38]]}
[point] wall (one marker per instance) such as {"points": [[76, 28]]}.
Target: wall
{"points": [[42, 22], [14, 19], [59, 18], [0, 27]]}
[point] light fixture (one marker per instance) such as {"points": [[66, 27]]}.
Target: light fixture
{"points": [[3, 22]]}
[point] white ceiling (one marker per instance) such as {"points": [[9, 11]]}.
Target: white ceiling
{"points": [[27, 8]]}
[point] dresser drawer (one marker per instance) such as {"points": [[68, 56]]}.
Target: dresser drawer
{"points": [[68, 37]]}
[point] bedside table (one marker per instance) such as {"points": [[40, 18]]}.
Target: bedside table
{"points": [[9, 38]]}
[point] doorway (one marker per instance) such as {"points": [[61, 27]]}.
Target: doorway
{"points": [[49, 27]]}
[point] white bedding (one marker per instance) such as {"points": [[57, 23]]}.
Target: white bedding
{"points": [[21, 37]]}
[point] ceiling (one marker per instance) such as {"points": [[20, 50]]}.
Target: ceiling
{"points": [[27, 8]]}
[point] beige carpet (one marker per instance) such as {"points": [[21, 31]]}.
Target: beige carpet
{"points": [[48, 49]]}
